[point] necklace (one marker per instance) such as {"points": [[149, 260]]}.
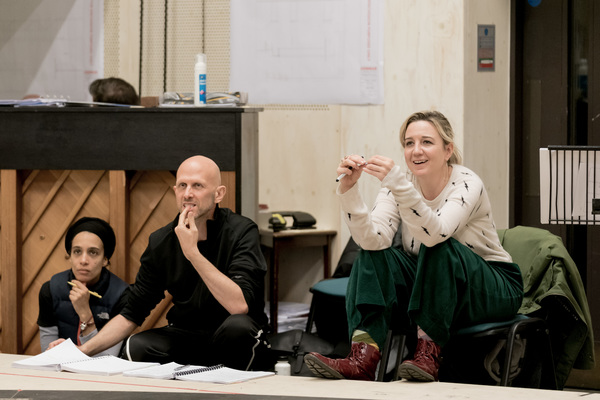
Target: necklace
{"points": [[446, 179], [448, 173]]}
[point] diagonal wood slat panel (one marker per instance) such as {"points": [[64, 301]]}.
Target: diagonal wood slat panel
{"points": [[49, 197], [56, 218], [152, 206], [147, 202], [28, 179], [52, 200], [80, 193]]}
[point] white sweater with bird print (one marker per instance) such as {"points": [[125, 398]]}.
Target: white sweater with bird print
{"points": [[462, 211]]}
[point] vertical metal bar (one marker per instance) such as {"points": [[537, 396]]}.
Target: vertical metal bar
{"points": [[595, 180], [572, 184], [575, 175], [165, 47], [551, 180], [141, 47], [589, 213], [564, 186], [585, 196]]}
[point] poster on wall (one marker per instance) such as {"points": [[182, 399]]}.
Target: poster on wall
{"points": [[51, 48], [307, 52]]}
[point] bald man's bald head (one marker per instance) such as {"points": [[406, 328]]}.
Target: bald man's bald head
{"points": [[198, 186], [204, 165]]}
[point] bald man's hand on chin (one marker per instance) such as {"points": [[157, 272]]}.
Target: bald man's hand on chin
{"points": [[187, 233]]}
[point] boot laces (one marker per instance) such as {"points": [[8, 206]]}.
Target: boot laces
{"points": [[357, 350], [427, 350]]}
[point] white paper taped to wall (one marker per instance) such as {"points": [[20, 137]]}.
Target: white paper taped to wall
{"points": [[307, 52], [569, 183], [53, 49]]}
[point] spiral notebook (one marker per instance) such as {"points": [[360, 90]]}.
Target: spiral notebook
{"points": [[51, 359], [67, 357], [197, 373]]}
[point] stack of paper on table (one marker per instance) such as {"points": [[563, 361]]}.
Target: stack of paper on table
{"points": [[51, 359], [214, 374], [67, 357]]}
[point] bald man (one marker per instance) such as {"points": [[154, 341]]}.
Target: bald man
{"points": [[209, 260]]}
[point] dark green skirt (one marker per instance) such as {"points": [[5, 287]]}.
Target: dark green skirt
{"points": [[447, 287]]}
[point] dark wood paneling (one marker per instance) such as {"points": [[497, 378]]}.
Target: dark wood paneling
{"points": [[117, 138], [542, 44]]}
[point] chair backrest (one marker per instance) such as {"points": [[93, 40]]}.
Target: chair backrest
{"points": [[553, 288]]}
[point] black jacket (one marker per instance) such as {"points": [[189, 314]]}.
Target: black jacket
{"points": [[233, 246]]}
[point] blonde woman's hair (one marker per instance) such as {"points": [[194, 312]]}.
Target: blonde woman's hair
{"points": [[442, 126]]}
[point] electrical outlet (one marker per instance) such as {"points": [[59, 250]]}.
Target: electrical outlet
{"points": [[595, 206]]}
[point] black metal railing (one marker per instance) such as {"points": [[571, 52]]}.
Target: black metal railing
{"points": [[574, 185]]}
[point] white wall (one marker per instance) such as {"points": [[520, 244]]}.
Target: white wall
{"points": [[430, 63], [424, 69], [486, 104]]}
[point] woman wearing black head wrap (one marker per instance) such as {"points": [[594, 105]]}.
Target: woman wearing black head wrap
{"points": [[75, 304]]}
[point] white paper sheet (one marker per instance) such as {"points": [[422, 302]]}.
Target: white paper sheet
{"points": [[51, 359], [67, 357], [51, 48], [307, 51]]}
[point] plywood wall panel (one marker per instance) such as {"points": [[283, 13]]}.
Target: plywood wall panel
{"points": [[47, 202], [10, 304], [152, 205], [52, 201]]}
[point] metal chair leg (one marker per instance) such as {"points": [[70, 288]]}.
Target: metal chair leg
{"points": [[539, 325], [385, 356]]}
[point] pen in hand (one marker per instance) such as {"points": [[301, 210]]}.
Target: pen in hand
{"points": [[343, 175], [92, 293]]}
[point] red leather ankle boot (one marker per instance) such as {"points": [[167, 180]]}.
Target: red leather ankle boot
{"points": [[425, 364], [360, 364]]}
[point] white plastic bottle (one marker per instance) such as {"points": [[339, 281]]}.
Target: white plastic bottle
{"points": [[283, 367], [200, 80]]}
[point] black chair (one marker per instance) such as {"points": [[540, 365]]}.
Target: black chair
{"points": [[329, 301], [328, 315], [328, 310], [526, 365]]}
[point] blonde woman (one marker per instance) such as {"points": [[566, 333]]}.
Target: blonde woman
{"points": [[452, 271]]}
